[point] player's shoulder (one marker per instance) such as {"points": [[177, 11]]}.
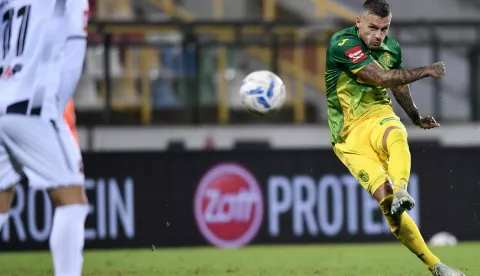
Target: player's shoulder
{"points": [[77, 6], [391, 43], [345, 38]]}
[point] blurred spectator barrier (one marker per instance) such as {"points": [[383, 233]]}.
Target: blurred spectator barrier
{"points": [[176, 71]]}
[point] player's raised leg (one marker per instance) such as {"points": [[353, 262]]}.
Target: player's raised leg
{"points": [[394, 200], [394, 141]]}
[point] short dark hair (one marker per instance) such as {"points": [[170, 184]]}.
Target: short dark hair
{"points": [[378, 7]]}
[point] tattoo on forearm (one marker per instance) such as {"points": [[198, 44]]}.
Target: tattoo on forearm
{"points": [[403, 77], [391, 78], [404, 99]]}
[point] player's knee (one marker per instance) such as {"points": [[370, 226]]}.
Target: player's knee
{"points": [[397, 139], [384, 190], [70, 199], [6, 199], [68, 196]]}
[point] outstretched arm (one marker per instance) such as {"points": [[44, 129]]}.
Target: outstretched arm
{"points": [[374, 73]]}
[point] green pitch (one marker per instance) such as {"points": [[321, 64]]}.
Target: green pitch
{"points": [[324, 260]]}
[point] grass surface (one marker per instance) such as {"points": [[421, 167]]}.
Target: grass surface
{"points": [[326, 260]]}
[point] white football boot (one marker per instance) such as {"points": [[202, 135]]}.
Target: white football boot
{"points": [[439, 269], [402, 201]]}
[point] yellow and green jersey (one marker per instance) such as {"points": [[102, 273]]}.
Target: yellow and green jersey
{"points": [[351, 99]]}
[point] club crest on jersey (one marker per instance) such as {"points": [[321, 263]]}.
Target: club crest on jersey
{"points": [[386, 59], [363, 175], [356, 54]]}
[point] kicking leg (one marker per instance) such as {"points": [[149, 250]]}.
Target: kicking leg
{"points": [[394, 200], [401, 225], [369, 168], [68, 230], [396, 145]]}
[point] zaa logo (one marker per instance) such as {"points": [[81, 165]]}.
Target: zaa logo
{"points": [[228, 206]]}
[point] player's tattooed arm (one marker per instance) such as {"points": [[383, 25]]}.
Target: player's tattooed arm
{"points": [[374, 73], [404, 98]]}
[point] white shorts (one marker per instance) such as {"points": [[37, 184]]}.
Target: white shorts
{"points": [[43, 151]]}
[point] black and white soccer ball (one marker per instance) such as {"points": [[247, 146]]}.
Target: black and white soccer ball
{"points": [[263, 92]]}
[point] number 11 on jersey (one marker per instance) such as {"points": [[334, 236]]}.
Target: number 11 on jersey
{"points": [[8, 19]]}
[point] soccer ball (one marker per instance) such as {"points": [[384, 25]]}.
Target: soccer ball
{"points": [[262, 92]]}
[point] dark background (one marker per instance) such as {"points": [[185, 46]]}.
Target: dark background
{"points": [[165, 183]]}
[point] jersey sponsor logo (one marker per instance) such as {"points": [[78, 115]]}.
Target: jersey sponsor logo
{"points": [[356, 54], [343, 42]]}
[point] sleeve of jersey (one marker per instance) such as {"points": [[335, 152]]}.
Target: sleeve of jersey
{"points": [[74, 56], [350, 54], [74, 49], [78, 15], [399, 62]]}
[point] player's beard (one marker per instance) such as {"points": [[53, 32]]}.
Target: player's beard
{"points": [[373, 45], [370, 42]]}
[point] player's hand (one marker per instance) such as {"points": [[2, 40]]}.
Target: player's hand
{"points": [[437, 70], [427, 123]]}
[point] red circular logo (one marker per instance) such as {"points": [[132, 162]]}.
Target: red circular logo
{"points": [[228, 206]]}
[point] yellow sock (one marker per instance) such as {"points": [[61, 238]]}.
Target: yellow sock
{"points": [[399, 163], [406, 231]]}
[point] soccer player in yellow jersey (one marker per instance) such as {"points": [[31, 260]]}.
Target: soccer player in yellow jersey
{"points": [[367, 136]]}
